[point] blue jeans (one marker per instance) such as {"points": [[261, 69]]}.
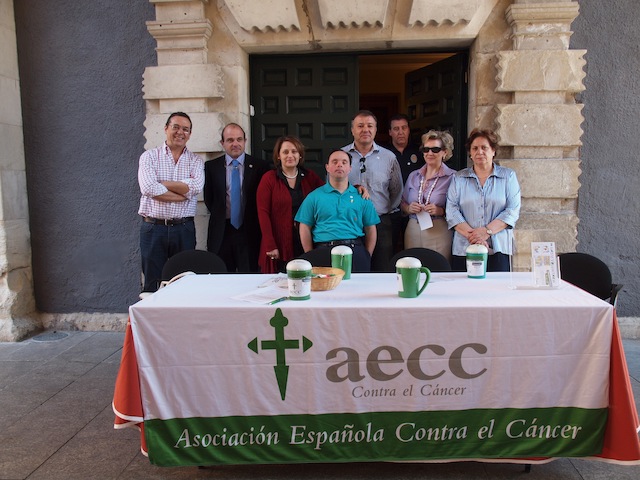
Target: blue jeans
{"points": [[158, 243]]}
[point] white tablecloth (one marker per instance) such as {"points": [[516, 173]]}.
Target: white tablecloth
{"points": [[480, 354]]}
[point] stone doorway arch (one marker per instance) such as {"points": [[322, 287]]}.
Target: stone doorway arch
{"points": [[522, 78]]}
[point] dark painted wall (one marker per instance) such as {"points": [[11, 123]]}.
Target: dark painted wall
{"points": [[81, 66], [609, 196]]}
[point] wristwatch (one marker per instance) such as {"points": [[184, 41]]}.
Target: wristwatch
{"points": [[489, 231]]}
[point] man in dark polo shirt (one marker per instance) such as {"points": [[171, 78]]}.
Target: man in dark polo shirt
{"points": [[410, 159], [408, 155]]}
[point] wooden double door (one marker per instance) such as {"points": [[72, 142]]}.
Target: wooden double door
{"points": [[314, 98]]}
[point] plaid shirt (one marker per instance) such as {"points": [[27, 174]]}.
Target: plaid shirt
{"points": [[157, 165]]}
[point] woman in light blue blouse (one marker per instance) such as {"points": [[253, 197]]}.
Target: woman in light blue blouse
{"points": [[483, 204]]}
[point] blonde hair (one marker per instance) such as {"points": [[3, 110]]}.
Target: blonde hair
{"points": [[445, 138]]}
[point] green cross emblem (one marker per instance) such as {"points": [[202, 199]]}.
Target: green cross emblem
{"points": [[280, 345]]}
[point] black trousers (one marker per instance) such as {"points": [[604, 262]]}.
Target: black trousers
{"points": [[384, 245], [234, 249], [361, 260]]}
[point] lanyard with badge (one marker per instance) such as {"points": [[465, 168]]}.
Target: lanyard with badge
{"points": [[424, 219]]}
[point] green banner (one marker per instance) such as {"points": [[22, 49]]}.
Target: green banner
{"points": [[377, 436]]}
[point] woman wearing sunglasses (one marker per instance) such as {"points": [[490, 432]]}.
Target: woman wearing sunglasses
{"points": [[483, 204], [425, 194]]}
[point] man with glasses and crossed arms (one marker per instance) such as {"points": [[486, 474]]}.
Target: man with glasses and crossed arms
{"points": [[170, 178], [377, 169]]}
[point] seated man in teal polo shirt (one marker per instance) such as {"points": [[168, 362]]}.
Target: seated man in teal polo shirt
{"points": [[336, 214]]}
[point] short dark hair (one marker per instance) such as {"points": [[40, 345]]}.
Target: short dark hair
{"points": [[398, 116], [491, 137], [326, 162], [178, 114], [364, 113], [291, 139], [232, 125]]}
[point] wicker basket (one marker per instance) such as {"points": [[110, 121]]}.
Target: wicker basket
{"points": [[319, 284]]}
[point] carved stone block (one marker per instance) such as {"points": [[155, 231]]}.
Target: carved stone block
{"points": [[273, 15], [443, 11], [358, 13], [541, 70], [539, 125], [546, 178], [183, 81]]}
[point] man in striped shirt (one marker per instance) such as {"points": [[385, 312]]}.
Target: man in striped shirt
{"points": [[170, 178], [376, 169]]}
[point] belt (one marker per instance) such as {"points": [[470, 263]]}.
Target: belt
{"points": [[392, 212], [349, 241], [169, 222]]}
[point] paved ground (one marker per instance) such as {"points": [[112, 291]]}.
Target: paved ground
{"points": [[56, 422]]}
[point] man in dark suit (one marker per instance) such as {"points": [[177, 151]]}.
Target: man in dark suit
{"points": [[234, 231]]}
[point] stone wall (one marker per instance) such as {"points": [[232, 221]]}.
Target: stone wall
{"points": [[16, 285], [542, 121]]}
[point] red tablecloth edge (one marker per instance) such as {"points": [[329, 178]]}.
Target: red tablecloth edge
{"points": [[621, 443], [127, 401]]}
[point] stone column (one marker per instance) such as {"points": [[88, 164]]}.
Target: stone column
{"points": [[542, 121], [17, 304], [184, 80]]}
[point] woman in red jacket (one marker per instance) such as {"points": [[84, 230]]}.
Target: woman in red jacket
{"points": [[280, 194]]}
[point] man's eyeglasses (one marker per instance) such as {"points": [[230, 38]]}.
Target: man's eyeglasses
{"points": [[431, 149], [175, 127], [363, 167]]}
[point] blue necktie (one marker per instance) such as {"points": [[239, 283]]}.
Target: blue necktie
{"points": [[236, 199]]}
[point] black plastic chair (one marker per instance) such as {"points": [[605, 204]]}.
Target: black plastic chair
{"points": [[590, 274], [196, 261], [318, 257], [431, 259]]}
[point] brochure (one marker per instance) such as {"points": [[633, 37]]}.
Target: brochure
{"points": [[545, 265]]}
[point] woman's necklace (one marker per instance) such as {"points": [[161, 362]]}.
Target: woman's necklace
{"points": [[423, 180], [290, 176]]}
